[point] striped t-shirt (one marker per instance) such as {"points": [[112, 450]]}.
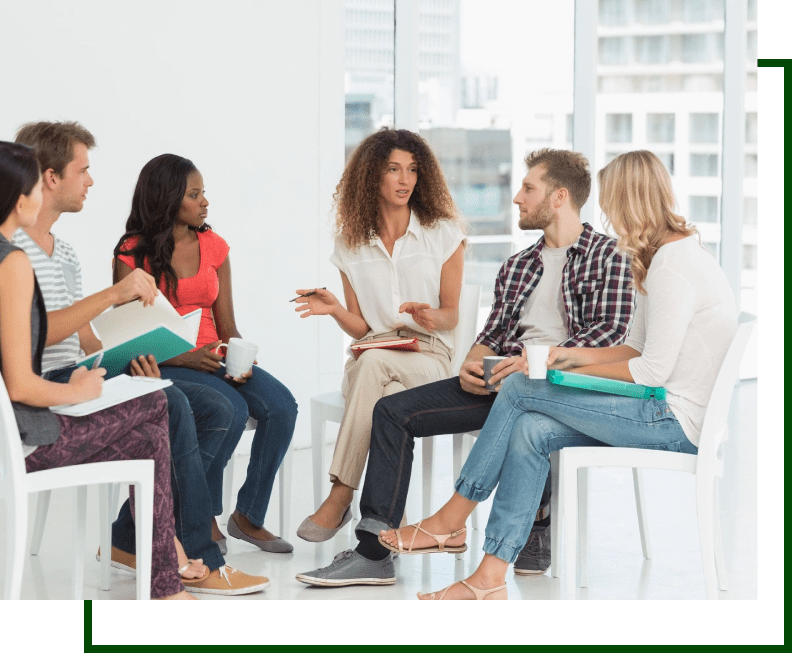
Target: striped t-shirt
{"points": [[60, 280]]}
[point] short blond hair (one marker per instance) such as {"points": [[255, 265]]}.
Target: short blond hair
{"points": [[637, 200]]}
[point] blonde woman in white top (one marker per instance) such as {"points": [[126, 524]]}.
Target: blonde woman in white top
{"points": [[400, 251], [684, 321]]}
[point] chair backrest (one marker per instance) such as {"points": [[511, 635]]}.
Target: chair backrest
{"points": [[12, 460], [713, 429], [465, 331]]}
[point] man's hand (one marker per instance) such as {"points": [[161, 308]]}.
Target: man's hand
{"points": [[471, 378], [138, 284], [504, 368], [145, 366]]}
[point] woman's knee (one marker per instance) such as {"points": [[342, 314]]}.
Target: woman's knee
{"points": [[272, 395]]}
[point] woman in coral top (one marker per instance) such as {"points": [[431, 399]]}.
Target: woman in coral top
{"points": [[166, 234]]}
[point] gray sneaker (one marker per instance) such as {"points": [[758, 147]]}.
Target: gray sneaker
{"points": [[351, 568], [535, 556]]}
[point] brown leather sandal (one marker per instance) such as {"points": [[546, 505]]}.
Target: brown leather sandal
{"points": [[440, 539]]}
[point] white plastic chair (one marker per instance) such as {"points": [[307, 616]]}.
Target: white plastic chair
{"points": [[329, 407], [284, 479], [16, 485], [570, 480]]}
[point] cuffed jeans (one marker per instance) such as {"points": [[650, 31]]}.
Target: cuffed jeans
{"points": [[532, 418], [198, 423], [270, 403]]}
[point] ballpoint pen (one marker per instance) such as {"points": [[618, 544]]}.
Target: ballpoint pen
{"points": [[308, 294]]}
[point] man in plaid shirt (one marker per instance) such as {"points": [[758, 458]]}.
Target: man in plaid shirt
{"points": [[570, 289]]}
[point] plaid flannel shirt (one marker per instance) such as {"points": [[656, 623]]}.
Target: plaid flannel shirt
{"points": [[597, 295]]}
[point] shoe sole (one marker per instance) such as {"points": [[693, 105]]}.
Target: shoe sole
{"points": [[326, 582], [530, 572], [118, 565], [229, 592]]}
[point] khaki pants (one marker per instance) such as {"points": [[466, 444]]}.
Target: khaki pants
{"points": [[376, 374]]}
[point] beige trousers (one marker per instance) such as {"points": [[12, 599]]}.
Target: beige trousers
{"points": [[376, 374]]}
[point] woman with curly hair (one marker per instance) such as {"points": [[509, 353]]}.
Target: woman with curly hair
{"points": [[167, 235], [685, 320], [400, 251]]}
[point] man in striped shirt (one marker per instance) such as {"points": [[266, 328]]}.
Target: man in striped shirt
{"points": [[570, 289]]}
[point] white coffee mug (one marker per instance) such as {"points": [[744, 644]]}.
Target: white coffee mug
{"points": [[240, 355], [537, 361]]}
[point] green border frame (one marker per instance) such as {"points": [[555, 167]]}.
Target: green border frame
{"points": [[58, 625]]}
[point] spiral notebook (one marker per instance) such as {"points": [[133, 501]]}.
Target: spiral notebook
{"points": [[611, 386]]}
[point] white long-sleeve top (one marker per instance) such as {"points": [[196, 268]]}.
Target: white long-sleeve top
{"points": [[683, 327]]}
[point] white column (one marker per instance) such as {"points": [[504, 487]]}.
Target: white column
{"points": [[733, 142], [585, 90], [405, 61], [330, 359]]}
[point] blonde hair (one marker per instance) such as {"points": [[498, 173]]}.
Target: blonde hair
{"points": [[638, 201]]}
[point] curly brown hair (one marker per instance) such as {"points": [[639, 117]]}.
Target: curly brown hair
{"points": [[357, 196]]}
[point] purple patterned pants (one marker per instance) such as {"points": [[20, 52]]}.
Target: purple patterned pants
{"points": [[134, 430]]}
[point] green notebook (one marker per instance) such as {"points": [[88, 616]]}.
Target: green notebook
{"points": [[161, 342], [598, 384]]}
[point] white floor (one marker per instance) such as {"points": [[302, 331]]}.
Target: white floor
{"points": [[617, 569]]}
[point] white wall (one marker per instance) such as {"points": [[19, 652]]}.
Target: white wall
{"points": [[252, 92]]}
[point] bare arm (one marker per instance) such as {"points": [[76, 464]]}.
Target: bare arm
{"points": [[89, 343], [136, 284], [447, 316], [323, 302], [223, 307], [24, 385], [606, 362]]}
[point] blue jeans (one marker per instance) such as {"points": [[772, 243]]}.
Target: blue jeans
{"points": [[271, 404], [532, 418], [198, 419]]}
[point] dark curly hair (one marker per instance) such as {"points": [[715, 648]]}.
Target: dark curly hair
{"points": [[155, 206], [357, 196]]}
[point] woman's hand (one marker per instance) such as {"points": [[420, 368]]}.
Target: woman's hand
{"points": [[87, 384], [203, 359], [562, 358], [322, 302], [145, 366], [244, 377], [423, 314]]}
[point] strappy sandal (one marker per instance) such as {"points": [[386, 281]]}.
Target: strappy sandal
{"points": [[479, 594], [440, 539]]}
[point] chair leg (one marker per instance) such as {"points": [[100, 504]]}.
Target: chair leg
{"points": [[80, 501], [42, 508], [704, 503], [284, 479], [144, 530], [115, 491], [458, 448], [427, 464], [317, 453], [570, 490], [106, 492], [16, 534], [556, 503], [228, 489], [583, 524], [720, 562], [643, 515]]}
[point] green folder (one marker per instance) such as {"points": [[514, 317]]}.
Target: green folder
{"points": [[161, 342], [598, 384]]}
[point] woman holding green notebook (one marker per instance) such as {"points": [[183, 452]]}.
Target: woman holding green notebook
{"points": [[684, 321]]}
